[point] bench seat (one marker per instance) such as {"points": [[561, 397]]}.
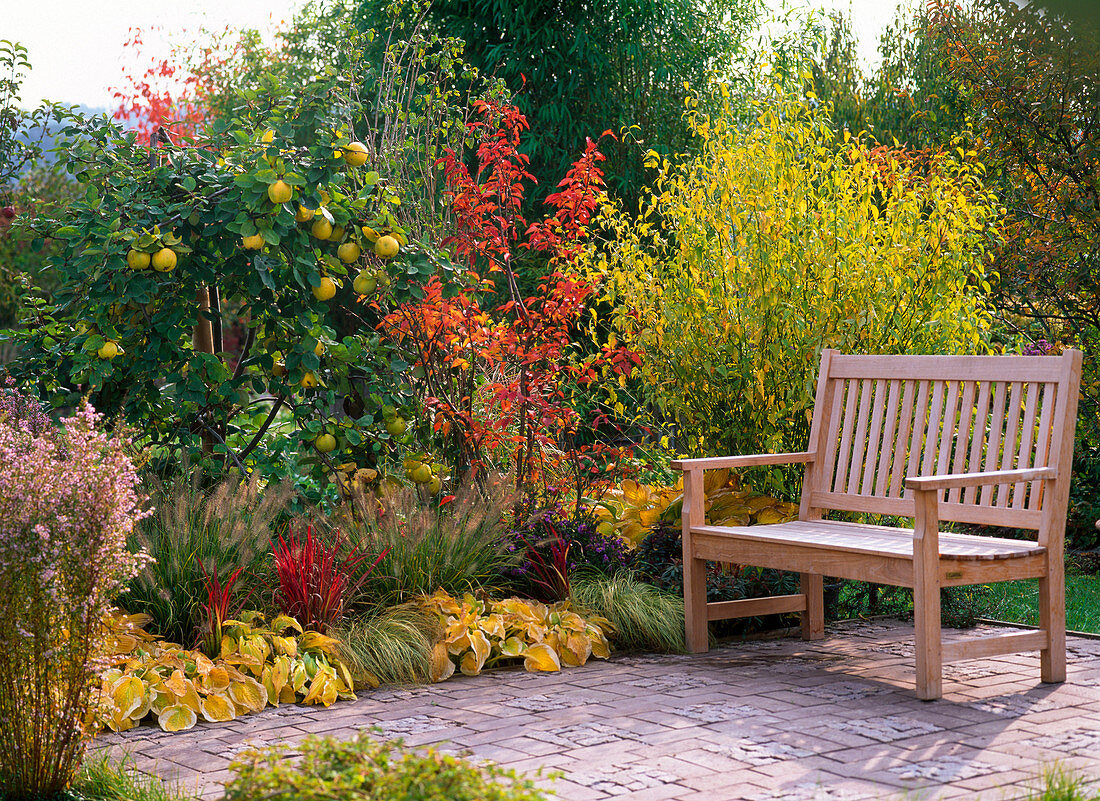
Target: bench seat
{"points": [[829, 535]]}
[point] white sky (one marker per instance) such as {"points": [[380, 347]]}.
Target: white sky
{"points": [[76, 45]]}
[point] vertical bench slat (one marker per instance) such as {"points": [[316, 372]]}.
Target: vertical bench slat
{"points": [[932, 431], [828, 466], [1042, 447], [1008, 447], [887, 449], [859, 441], [993, 445], [965, 434], [948, 432], [978, 438], [905, 420], [874, 444], [1027, 439], [916, 439], [850, 404]]}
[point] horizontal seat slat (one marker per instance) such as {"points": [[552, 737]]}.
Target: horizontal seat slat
{"points": [[829, 535]]}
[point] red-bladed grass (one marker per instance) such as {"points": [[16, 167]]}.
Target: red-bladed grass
{"points": [[218, 607], [549, 576], [316, 580]]}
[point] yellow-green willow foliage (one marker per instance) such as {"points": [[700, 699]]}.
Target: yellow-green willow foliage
{"points": [[775, 241]]}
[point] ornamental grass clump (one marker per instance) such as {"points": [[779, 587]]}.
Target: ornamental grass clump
{"points": [[68, 503], [199, 532]]}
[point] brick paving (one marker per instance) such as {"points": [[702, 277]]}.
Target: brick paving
{"points": [[766, 720]]}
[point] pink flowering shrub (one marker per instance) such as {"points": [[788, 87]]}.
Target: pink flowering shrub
{"points": [[67, 505]]}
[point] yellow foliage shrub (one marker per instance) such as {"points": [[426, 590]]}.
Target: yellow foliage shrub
{"points": [[778, 240]]}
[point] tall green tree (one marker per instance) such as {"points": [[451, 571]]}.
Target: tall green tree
{"points": [[580, 67]]}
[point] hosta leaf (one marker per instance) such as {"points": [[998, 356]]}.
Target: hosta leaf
{"points": [[119, 722], [272, 693], [249, 694], [323, 689], [177, 718], [280, 673], [493, 626], [480, 648], [287, 695], [345, 676], [442, 667], [217, 680], [128, 695], [513, 646], [162, 700], [284, 622], [177, 683], [314, 641], [577, 650], [469, 664], [217, 708], [541, 657], [600, 647], [287, 646], [298, 676], [767, 517]]}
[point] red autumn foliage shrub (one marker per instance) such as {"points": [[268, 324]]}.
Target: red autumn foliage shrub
{"points": [[495, 378]]}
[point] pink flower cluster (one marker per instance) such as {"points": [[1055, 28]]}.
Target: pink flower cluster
{"points": [[68, 503]]}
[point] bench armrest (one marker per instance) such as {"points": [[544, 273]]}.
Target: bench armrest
{"points": [[953, 480], [754, 460]]}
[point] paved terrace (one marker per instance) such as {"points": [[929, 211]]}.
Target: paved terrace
{"points": [[759, 720]]}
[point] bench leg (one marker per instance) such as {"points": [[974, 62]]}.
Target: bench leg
{"points": [[813, 619], [695, 605], [926, 619], [1052, 621]]}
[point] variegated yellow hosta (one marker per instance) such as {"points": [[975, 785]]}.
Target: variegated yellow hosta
{"points": [[258, 666], [477, 633], [631, 509]]}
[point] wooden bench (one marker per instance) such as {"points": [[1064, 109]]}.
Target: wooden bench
{"points": [[971, 439]]}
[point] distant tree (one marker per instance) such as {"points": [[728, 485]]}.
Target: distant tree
{"points": [[912, 96]]}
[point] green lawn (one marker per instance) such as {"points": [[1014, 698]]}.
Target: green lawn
{"points": [[1018, 602]]}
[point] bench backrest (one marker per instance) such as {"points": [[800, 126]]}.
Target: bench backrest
{"points": [[879, 419]]}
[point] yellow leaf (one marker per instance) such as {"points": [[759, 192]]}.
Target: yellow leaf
{"points": [[287, 695], [177, 683], [541, 657], [128, 694], [280, 673], [442, 667], [283, 622], [323, 689], [216, 708], [217, 679], [177, 718], [248, 694], [312, 640], [469, 664], [769, 516]]}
